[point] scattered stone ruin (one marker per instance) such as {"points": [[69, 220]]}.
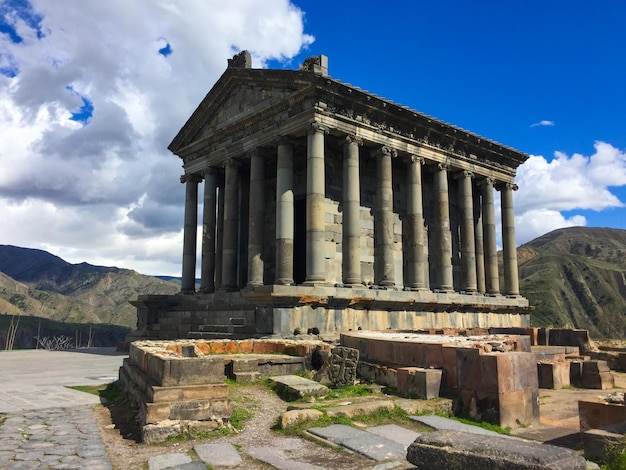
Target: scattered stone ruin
{"points": [[327, 207]]}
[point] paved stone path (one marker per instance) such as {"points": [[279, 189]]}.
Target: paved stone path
{"points": [[54, 438]]}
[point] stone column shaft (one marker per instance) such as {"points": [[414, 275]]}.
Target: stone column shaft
{"points": [[256, 216], [383, 221], [492, 281], [220, 233], [315, 206], [351, 255], [231, 227], [509, 252], [415, 223], [285, 213], [468, 242], [209, 229], [479, 244], [443, 236], [190, 230]]}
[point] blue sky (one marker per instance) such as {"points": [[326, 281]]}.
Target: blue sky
{"points": [[90, 97]]}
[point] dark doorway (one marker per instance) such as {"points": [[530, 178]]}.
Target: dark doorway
{"points": [[299, 241]]}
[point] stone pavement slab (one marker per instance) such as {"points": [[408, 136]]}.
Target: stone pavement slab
{"points": [[55, 437], [161, 462], [370, 445], [440, 423], [218, 454], [278, 459], [396, 433], [36, 379]]}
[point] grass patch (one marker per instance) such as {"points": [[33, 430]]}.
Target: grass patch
{"points": [[483, 424], [351, 391], [239, 416], [2, 419], [107, 392]]}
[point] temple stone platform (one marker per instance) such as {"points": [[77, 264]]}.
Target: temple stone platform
{"points": [[281, 310], [494, 377]]}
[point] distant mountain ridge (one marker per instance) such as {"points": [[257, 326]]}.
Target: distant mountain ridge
{"points": [[35, 282], [576, 277]]}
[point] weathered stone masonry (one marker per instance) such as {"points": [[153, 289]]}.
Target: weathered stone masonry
{"points": [[329, 207]]}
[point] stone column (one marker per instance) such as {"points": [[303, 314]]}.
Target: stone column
{"points": [[209, 228], [351, 255], [492, 282], [415, 224], [443, 236], [190, 230], [509, 252], [468, 247], [315, 205], [284, 212], [383, 221], [479, 243], [220, 232], [231, 226], [256, 217]]}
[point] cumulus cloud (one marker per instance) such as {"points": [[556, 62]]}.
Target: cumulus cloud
{"points": [[543, 123], [566, 184], [92, 94]]}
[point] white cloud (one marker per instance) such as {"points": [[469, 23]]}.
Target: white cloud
{"points": [[543, 123], [107, 192], [566, 183]]}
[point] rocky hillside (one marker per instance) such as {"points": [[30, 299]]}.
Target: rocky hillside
{"points": [[576, 277], [37, 283]]}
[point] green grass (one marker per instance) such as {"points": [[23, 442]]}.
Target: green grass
{"points": [[107, 392], [483, 424], [2, 420]]}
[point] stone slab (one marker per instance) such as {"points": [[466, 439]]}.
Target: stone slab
{"points": [[418, 382], [439, 423], [360, 408], [595, 414], [444, 450], [218, 454], [395, 433], [553, 375], [370, 445], [161, 462], [300, 386], [278, 459]]}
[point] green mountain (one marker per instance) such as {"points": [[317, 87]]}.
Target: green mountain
{"points": [[35, 282], [576, 278]]}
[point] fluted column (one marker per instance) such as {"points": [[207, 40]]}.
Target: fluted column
{"points": [[479, 246], [383, 221], [315, 205], [284, 212], [443, 236], [231, 226], [220, 233], [492, 282], [468, 247], [188, 284], [415, 223], [209, 226], [509, 252], [256, 216], [351, 255]]}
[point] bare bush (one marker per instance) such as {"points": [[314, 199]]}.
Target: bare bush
{"points": [[55, 343]]}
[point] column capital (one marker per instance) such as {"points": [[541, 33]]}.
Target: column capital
{"points": [[351, 138], [487, 181], [385, 151], [253, 153], [231, 162], [284, 140], [501, 186], [416, 159], [192, 178], [442, 167], [463, 174], [318, 127], [210, 170]]}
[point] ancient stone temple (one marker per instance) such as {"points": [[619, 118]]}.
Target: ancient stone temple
{"points": [[327, 207]]}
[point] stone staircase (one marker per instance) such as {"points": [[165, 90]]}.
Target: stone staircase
{"points": [[225, 325]]}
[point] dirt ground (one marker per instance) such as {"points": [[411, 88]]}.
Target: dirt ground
{"points": [[121, 437]]}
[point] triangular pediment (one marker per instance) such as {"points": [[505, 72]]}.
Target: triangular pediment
{"points": [[236, 96]]}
